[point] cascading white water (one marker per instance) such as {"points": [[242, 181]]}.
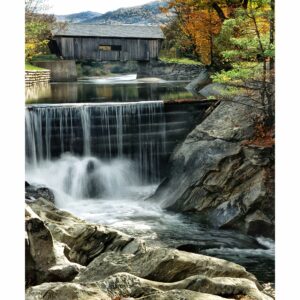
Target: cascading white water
{"points": [[95, 154], [86, 177], [103, 160]]}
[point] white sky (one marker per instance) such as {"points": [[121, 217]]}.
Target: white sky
{"points": [[62, 7]]}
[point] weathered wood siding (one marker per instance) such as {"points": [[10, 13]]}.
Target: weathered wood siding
{"points": [[88, 48]]}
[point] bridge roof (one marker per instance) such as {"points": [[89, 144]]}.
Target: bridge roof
{"points": [[121, 31]]}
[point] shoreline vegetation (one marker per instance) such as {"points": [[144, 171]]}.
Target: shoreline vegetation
{"points": [[29, 67]]}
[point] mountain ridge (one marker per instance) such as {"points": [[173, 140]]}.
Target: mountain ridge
{"points": [[78, 17], [146, 14]]}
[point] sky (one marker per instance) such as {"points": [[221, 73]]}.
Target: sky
{"points": [[62, 7]]}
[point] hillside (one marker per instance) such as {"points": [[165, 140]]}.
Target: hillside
{"points": [[143, 14], [78, 17]]}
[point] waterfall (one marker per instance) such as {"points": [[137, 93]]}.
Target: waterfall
{"points": [[135, 131]]}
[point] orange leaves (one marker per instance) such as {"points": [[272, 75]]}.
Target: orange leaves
{"points": [[200, 23]]}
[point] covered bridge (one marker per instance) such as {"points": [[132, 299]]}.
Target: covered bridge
{"points": [[107, 42]]}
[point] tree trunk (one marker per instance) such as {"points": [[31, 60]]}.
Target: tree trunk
{"points": [[219, 11], [272, 31], [245, 4]]}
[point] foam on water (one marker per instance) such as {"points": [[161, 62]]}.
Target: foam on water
{"points": [[105, 130], [112, 188]]}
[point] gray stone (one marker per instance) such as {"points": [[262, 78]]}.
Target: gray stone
{"points": [[85, 241], [230, 121], [45, 260], [127, 286], [122, 269], [169, 71], [133, 286], [33, 192], [66, 291], [212, 89], [200, 81], [258, 224], [258, 156], [213, 172], [180, 295], [161, 264]]}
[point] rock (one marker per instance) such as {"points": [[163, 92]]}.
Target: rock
{"points": [[180, 295], [229, 121], [85, 241], [169, 71], [215, 173], [258, 224], [127, 286], [133, 286], [34, 192], [66, 291], [258, 156], [45, 260], [200, 81], [213, 89], [119, 267], [268, 288], [161, 264]]}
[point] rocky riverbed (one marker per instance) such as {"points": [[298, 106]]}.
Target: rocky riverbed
{"points": [[68, 258]]}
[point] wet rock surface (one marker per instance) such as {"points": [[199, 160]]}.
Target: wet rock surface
{"points": [[33, 193], [213, 172], [69, 258]]}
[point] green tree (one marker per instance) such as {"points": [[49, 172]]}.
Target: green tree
{"points": [[37, 28], [246, 42]]}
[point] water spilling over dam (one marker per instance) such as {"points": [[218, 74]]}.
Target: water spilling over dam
{"points": [[142, 132], [104, 159]]}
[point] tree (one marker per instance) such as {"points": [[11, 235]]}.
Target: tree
{"points": [[201, 21], [247, 43], [37, 28], [177, 42]]}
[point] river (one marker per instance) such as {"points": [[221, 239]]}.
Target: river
{"points": [[102, 145]]}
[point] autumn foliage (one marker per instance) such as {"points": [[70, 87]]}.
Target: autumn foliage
{"points": [[200, 21], [199, 25]]}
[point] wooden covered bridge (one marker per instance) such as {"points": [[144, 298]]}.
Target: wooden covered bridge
{"points": [[107, 42]]}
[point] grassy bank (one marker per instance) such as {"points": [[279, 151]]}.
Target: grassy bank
{"points": [[184, 60], [29, 67], [45, 57]]}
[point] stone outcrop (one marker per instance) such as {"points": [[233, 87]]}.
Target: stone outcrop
{"points": [[169, 71], [68, 258], [131, 287], [161, 264], [45, 259], [212, 89], [214, 172], [199, 82], [83, 241], [33, 192]]}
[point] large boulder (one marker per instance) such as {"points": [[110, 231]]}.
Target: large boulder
{"points": [[33, 192], [200, 81], [127, 286], [84, 241], [215, 173], [212, 90], [119, 266], [45, 259], [66, 291], [161, 264]]}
